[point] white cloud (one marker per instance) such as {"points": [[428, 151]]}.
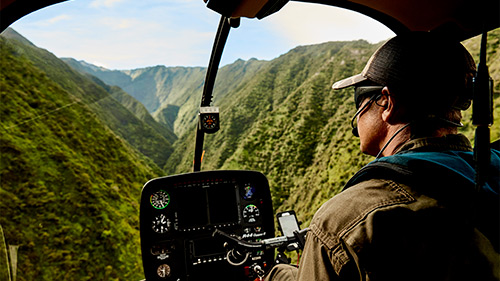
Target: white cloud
{"points": [[309, 24], [53, 20], [104, 3], [58, 19], [113, 24]]}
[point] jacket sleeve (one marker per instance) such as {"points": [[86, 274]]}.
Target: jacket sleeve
{"points": [[315, 264]]}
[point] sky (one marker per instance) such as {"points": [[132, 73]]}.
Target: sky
{"points": [[129, 34]]}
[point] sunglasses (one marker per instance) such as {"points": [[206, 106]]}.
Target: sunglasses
{"points": [[361, 92]]}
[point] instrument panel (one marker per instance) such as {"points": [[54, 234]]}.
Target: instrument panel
{"points": [[179, 213]]}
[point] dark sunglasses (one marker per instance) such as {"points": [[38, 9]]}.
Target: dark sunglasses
{"points": [[361, 92]]}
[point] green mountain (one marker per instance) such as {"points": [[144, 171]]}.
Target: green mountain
{"points": [[70, 185], [145, 138]]}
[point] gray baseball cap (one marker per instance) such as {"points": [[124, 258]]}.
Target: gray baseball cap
{"points": [[416, 60]]}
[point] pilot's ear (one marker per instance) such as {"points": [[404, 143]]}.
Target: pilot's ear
{"points": [[387, 102]]}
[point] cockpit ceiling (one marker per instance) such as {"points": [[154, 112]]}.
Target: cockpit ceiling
{"points": [[461, 19], [12, 10], [458, 18]]}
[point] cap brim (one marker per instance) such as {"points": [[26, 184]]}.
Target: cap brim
{"points": [[351, 81]]}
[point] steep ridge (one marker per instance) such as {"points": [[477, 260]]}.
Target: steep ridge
{"points": [[138, 109], [125, 124], [70, 186]]}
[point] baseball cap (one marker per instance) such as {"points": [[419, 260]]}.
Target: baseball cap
{"points": [[416, 60]]}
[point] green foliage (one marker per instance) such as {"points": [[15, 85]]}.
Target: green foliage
{"points": [[96, 96], [70, 187]]}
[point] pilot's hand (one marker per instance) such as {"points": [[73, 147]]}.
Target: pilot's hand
{"points": [[282, 272]]}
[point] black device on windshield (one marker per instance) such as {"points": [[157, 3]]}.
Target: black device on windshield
{"points": [[178, 215]]}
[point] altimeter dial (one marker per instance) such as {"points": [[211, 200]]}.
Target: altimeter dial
{"points": [[161, 224]]}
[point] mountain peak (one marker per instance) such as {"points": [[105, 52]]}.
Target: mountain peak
{"points": [[10, 33], [83, 63]]}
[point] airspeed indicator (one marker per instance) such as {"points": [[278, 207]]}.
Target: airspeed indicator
{"points": [[160, 199]]}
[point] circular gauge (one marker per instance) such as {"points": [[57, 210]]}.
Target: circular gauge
{"points": [[161, 224], [248, 191], [209, 121], [160, 199], [251, 213], [163, 271]]}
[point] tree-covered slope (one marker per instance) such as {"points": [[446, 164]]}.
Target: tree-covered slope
{"points": [[70, 186], [139, 110], [119, 119]]}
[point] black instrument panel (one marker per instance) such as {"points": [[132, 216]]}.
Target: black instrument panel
{"points": [[179, 213]]}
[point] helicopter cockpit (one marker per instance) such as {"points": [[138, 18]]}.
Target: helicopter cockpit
{"points": [[221, 223], [180, 213]]}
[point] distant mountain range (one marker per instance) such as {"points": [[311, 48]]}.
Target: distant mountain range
{"points": [[171, 94], [78, 141]]}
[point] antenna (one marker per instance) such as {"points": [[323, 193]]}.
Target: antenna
{"points": [[482, 115]]}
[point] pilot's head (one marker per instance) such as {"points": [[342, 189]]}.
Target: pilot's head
{"points": [[422, 78]]}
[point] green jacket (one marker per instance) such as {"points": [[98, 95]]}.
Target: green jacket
{"points": [[432, 227]]}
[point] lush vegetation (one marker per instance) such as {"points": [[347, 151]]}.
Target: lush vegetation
{"points": [[99, 99], [70, 186], [76, 151]]}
